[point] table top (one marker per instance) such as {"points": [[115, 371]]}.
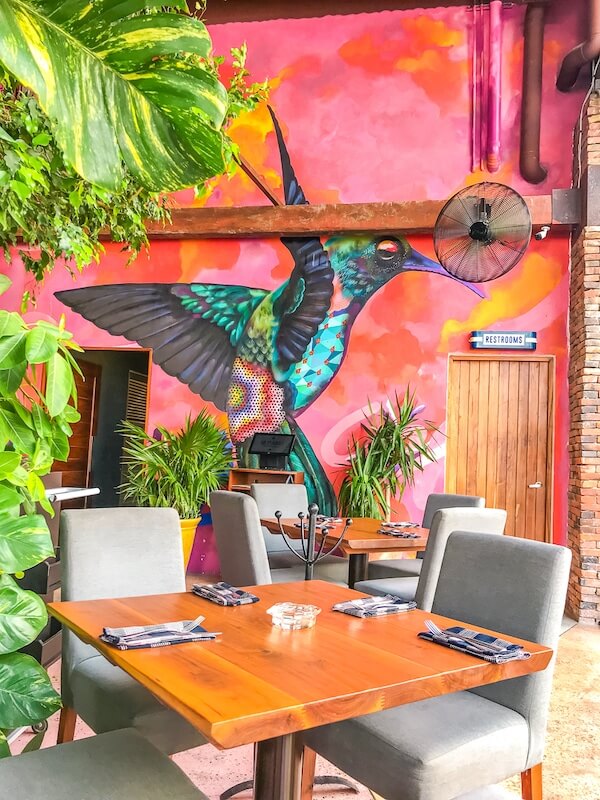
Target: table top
{"points": [[360, 537], [257, 681]]}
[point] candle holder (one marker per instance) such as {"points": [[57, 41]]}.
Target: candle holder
{"points": [[311, 554]]}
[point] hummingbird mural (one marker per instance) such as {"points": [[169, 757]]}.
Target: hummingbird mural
{"points": [[261, 356]]}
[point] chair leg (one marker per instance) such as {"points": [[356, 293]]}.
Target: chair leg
{"points": [[308, 773], [66, 725], [531, 783]]}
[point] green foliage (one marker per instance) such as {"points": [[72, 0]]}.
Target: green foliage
{"points": [[395, 446], [178, 470], [62, 182], [112, 78], [35, 423], [46, 209]]}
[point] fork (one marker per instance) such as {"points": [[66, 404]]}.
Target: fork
{"points": [[436, 631]]}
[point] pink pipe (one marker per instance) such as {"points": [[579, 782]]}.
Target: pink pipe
{"points": [[494, 86]]}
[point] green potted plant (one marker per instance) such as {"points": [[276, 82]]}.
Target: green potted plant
{"points": [[176, 469], [37, 409], [394, 446]]}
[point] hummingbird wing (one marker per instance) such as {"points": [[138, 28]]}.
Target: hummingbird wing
{"points": [[302, 303], [193, 329]]}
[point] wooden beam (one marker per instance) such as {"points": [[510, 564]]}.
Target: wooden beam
{"points": [[220, 11], [412, 217]]}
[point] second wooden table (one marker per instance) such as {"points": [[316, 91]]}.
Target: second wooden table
{"points": [[360, 540]]}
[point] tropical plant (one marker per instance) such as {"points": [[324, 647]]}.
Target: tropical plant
{"points": [[125, 85], [37, 409], [394, 446], [56, 200], [175, 469]]}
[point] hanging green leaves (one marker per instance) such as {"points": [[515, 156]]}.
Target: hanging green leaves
{"points": [[115, 83]]}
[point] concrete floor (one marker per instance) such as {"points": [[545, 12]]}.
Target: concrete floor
{"points": [[571, 766]]}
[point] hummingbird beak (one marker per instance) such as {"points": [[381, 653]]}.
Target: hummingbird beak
{"points": [[421, 263]]}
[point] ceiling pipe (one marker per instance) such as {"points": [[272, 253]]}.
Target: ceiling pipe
{"points": [[582, 54], [494, 86], [531, 96]]}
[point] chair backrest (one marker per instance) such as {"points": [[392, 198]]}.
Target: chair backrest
{"points": [[289, 498], [445, 521], [116, 552], [239, 539], [437, 501], [517, 587]]}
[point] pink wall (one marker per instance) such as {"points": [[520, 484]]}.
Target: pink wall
{"points": [[375, 107]]}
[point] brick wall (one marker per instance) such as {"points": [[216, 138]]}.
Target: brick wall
{"points": [[583, 600]]}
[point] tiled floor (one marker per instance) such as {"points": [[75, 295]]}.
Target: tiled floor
{"points": [[572, 766]]}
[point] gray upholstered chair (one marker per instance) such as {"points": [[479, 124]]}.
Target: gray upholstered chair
{"points": [[118, 552], [290, 499], [445, 521], [411, 567], [242, 550], [112, 766], [443, 747]]}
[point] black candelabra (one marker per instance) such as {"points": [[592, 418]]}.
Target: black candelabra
{"points": [[311, 554]]}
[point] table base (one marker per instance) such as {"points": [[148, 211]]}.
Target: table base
{"points": [[358, 568], [278, 768]]}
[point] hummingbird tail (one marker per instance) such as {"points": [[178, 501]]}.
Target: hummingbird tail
{"points": [[318, 485]]}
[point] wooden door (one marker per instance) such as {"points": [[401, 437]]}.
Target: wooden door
{"points": [[500, 436], [76, 470]]}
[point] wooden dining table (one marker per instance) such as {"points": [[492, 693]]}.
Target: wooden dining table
{"points": [[259, 684], [361, 540]]}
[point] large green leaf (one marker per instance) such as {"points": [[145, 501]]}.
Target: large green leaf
{"points": [[10, 500], [10, 322], [41, 345], [13, 429], [22, 615], [59, 384], [24, 542], [12, 348], [11, 379], [5, 283], [26, 694], [112, 77], [9, 462]]}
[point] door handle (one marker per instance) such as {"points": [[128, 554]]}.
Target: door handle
{"points": [[536, 485]]}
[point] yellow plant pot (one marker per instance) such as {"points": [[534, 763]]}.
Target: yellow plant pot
{"points": [[188, 532]]}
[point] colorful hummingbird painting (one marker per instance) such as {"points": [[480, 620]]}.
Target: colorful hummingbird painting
{"points": [[261, 356]]}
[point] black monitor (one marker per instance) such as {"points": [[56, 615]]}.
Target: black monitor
{"points": [[272, 448]]}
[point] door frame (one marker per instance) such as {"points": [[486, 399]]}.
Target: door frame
{"points": [[519, 356], [124, 349]]}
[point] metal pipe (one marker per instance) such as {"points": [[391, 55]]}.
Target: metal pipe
{"points": [[582, 54], [494, 86], [531, 96]]}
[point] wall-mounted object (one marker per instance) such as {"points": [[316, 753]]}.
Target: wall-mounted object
{"points": [[503, 340]]}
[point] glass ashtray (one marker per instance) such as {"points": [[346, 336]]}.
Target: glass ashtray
{"points": [[292, 616]]}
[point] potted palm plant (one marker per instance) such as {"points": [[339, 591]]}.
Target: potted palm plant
{"points": [[176, 469], [394, 446]]}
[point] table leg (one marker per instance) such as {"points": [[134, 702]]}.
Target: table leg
{"points": [[278, 768], [358, 568]]}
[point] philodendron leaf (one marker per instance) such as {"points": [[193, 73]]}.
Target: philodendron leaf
{"points": [[115, 84], [41, 345], [26, 693], [24, 542], [5, 282], [59, 383], [22, 615]]}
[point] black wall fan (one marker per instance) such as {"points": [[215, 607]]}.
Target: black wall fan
{"points": [[482, 232]]}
